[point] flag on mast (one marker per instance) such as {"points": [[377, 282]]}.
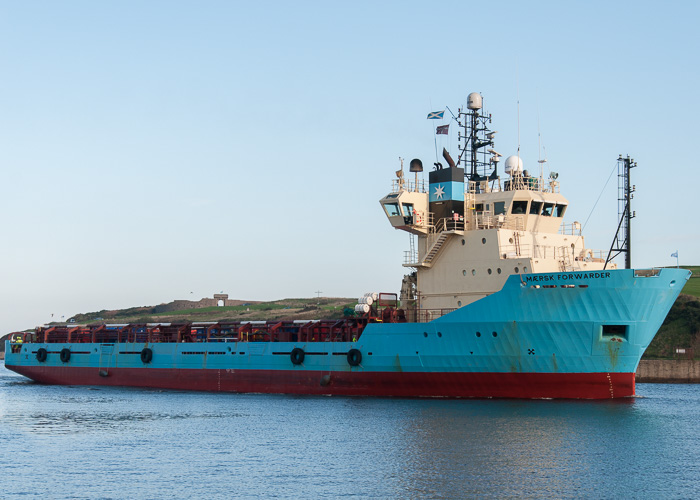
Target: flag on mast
{"points": [[675, 254], [436, 115], [442, 129]]}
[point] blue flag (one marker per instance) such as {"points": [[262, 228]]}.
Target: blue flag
{"points": [[675, 254], [436, 115]]}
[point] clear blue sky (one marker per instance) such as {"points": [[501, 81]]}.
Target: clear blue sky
{"points": [[153, 151]]}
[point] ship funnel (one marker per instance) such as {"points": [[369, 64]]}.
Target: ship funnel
{"points": [[448, 158], [416, 165]]}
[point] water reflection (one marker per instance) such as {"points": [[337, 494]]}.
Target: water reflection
{"points": [[157, 444]]}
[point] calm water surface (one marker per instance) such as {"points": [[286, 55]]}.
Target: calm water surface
{"points": [[81, 442]]}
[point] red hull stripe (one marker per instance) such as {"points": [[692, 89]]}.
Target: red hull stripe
{"points": [[399, 384]]}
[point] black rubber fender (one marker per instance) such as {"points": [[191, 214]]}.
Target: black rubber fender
{"points": [[41, 355], [354, 357], [297, 356], [65, 355], [146, 355]]}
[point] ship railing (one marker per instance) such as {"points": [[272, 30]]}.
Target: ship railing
{"points": [[449, 224], [484, 220], [516, 182], [410, 258], [573, 229], [336, 330], [561, 253], [398, 185], [426, 315]]}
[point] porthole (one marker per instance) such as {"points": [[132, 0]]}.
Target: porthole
{"points": [[473, 272], [510, 240], [494, 334], [489, 271], [478, 334], [498, 270], [459, 303], [439, 334], [463, 243], [524, 269], [464, 272], [517, 270], [483, 241], [425, 334]]}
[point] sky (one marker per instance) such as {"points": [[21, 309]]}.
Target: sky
{"points": [[161, 150]]}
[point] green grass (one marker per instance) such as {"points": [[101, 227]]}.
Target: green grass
{"points": [[680, 329], [204, 310], [692, 287]]}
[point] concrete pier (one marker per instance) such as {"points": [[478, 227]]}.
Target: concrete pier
{"points": [[671, 371]]}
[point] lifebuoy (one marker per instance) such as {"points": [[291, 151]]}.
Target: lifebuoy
{"points": [[297, 356], [146, 355], [41, 355], [65, 355], [354, 357]]}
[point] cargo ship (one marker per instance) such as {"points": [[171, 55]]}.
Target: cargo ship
{"points": [[501, 299]]}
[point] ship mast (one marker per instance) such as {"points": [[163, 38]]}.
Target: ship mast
{"points": [[622, 242], [474, 137]]}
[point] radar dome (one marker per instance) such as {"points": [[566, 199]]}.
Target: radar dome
{"points": [[513, 165], [474, 101], [416, 165]]}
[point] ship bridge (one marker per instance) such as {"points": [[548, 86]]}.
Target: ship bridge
{"points": [[471, 230]]}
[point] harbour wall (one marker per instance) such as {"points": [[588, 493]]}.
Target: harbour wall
{"points": [[671, 371]]}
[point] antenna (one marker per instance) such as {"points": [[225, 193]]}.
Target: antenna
{"points": [[540, 148], [517, 86]]}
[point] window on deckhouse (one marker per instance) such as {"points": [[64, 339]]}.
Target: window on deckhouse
{"points": [[536, 208]]}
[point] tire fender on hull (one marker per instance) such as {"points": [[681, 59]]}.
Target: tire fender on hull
{"points": [[41, 355], [65, 355], [297, 356], [354, 357], [146, 355]]}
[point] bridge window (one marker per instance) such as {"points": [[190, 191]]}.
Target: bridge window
{"points": [[547, 210], [407, 209], [519, 207], [559, 210], [499, 207], [392, 209], [536, 208]]}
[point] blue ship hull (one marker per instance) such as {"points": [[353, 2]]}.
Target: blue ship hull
{"points": [[569, 335]]}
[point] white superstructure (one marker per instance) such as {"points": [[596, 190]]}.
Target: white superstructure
{"points": [[472, 231]]}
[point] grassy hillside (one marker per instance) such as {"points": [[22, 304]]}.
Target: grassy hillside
{"points": [[681, 328], [692, 287], [289, 309]]}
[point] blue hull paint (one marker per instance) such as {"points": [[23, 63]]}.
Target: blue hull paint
{"points": [[524, 328]]}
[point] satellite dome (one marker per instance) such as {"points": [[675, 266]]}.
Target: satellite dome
{"points": [[513, 165], [474, 101]]}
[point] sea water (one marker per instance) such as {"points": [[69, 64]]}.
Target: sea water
{"points": [[90, 442]]}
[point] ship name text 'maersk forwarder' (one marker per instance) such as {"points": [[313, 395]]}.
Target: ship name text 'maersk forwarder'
{"points": [[501, 299]]}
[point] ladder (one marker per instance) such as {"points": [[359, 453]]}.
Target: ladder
{"points": [[105, 358], [435, 249]]}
